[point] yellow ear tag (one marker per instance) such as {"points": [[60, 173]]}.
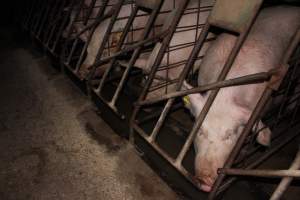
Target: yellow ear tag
{"points": [[186, 100]]}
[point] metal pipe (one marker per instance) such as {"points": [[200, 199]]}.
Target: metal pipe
{"points": [[244, 80], [285, 182], [263, 158], [100, 18], [113, 61], [261, 173], [145, 42]]}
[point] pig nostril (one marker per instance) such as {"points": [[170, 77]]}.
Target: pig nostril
{"points": [[204, 185]]}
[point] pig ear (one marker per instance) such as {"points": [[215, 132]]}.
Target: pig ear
{"points": [[264, 135], [194, 102]]}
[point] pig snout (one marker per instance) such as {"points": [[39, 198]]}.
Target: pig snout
{"points": [[206, 173]]}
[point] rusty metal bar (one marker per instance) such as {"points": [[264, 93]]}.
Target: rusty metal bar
{"points": [[285, 182], [68, 59], [118, 48], [103, 44], [90, 10], [163, 48], [244, 80], [100, 17], [261, 159], [134, 57], [261, 173], [94, 24], [139, 44]]}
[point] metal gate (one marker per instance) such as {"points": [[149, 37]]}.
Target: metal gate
{"points": [[149, 124], [75, 24]]}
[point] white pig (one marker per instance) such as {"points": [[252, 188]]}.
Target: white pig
{"points": [[262, 51], [179, 38]]}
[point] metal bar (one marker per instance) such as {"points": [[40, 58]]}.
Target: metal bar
{"points": [[113, 61], [244, 80], [139, 44], [285, 182], [80, 7], [54, 25], [160, 56], [261, 159], [98, 21], [95, 23], [62, 26], [261, 173], [90, 10], [137, 52]]}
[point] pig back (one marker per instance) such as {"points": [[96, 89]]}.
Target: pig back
{"points": [[262, 50]]}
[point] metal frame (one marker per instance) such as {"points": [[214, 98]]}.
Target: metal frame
{"points": [[153, 8], [57, 27], [46, 20], [67, 57], [240, 25]]}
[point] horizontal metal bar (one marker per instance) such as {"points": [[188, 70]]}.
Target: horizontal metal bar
{"points": [[263, 158], [285, 182], [261, 173], [95, 23], [131, 48], [244, 80]]}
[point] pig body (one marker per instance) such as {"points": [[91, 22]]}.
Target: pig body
{"points": [[262, 51], [99, 34], [143, 61]]}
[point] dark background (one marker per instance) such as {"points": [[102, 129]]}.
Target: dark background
{"points": [[6, 12]]}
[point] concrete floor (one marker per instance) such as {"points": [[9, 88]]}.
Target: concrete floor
{"points": [[52, 143]]}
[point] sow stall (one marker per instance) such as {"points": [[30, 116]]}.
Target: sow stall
{"points": [[131, 82]]}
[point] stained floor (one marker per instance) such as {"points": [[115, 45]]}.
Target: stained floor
{"points": [[53, 145]]}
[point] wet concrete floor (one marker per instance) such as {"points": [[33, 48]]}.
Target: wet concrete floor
{"points": [[53, 145]]}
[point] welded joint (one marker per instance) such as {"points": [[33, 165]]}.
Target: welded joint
{"points": [[278, 77]]}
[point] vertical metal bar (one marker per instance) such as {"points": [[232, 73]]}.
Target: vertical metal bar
{"points": [[90, 10], [69, 34], [99, 15], [157, 62], [285, 182], [123, 37], [136, 53], [63, 24], [54, 23]]}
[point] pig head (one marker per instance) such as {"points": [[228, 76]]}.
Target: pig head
{"points": [[261, 52]]}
